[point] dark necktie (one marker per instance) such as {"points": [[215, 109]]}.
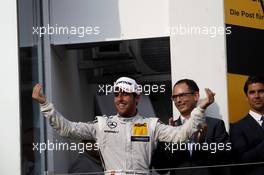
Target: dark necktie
{"points": [[262, 119]]}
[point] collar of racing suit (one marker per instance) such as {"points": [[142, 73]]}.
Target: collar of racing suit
{"points": [[128, 119]]}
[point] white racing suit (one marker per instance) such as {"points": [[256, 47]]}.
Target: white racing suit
{"points": [[125, 144]]}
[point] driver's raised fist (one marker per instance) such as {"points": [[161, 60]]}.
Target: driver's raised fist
{"points": [[38, 95]]}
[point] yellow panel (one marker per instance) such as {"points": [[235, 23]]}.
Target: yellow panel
{"points": [[247, 13], [237, 101], [140, 129]]}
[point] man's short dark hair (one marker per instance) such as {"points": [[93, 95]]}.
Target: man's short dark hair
{"points": [[190, 83], [253, 79]]}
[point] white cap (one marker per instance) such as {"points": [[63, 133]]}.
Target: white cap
{"points": [[127, 85]]}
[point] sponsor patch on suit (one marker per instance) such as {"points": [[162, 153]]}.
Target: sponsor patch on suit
{"points": [[140, 132]]}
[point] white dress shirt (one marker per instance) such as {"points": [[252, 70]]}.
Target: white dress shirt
{"points": [[256, 116]]}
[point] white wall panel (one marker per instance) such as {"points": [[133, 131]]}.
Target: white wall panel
{"points": [[9, 91], [116, 19], [200, 57]]}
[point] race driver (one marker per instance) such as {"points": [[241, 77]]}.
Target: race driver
{"points": [[126, 140]]}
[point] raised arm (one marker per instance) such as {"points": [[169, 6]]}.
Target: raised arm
{"points": [[181, 133], [64, 127]]}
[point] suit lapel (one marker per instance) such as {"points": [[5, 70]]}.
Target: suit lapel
{"points": [[254, 125]]}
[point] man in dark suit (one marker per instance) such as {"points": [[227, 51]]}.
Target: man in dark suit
{"points": [[247, 135], [185, 96]]}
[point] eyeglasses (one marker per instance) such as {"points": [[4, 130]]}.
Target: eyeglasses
{"points": [[181, 95]]}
